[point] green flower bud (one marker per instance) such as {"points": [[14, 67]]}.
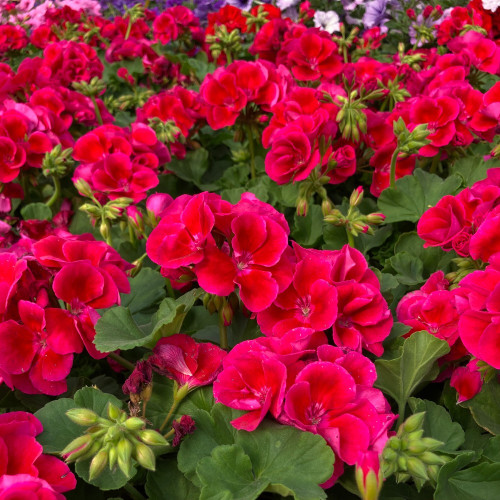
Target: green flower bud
{"points": [[152, 438], [113, 411], [134, 423], [430, 458], [402, 463], [394, 443], [144, 456], [113, 456], [124, 450], [98, 464], [82, 416], [77, 447], [416, 468], [413, 423]]}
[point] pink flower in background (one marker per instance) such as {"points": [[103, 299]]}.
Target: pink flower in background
{"points": [[187, 362]]}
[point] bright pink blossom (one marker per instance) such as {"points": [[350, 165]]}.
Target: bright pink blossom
{"points": [[187, 362]]}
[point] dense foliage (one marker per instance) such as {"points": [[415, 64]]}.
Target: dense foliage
{"points": [[249, 249]]}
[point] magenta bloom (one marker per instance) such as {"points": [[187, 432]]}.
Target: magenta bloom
{"points": [[23, 467], [292, 157], [258, 245], [28, 361], [181, 236], [466, 380], [310, 301], [252, 381], [180, 358]]}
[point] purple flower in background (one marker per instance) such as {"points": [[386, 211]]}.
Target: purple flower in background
{"points": [[204, 7], [376, 13], [173, 3], [241, 4]]}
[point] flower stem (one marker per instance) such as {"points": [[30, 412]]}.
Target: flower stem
{"points": [[350, 238], [222, 332], [122, 361], [393, 167], [251, 146], [401, 411], [174, 406], [97, 111], [133, 493], [169, 433], [57, 191]]}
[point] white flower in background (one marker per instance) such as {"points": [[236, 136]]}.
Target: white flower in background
{"points": [[491, 5], [285, 4], [328, 21]]}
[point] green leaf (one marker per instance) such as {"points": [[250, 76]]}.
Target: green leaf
{"points": [[168, 483], [116, 329], [409, 270], [212, 429], [413, 195], [192, 168], [227, 473], [438, 424], [481, 481], [58, 430], [273, 457], [309, 229], [296, 460], [433, 258], [492, 449], [146, 290], [401, 376], [485, 408], [94, 399], [473, 167], [37, 211]]}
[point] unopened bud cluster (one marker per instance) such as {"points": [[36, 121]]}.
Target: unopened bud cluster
{"points": [[410, 142], [224, 41], [57, 161], [90, 89], [354, 221], [409, 455], [225, 306], [112, 441], [465, 265]]}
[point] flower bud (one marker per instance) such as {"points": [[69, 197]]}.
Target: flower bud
{"points": [[98, 464], [83, 188], [375, 218], [430, 458], [113, 456], [77, 447], [113, 412], [302, 207], [356, 197], [144, 456], [413, 422], [124, 450], [416, 468], [152, 438], [82, 416], [134, 424], [326, 207], [369, 478]]}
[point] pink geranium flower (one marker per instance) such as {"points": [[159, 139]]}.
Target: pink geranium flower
{"points": [[189, 363]]}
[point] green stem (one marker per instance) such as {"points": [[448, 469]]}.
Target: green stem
{"points": [[171, 432], [129, 27], [434, 165], [222, 332], [229, 58], [133, 493], [251, 146], [401, 411], [174, 406], [57, 191], [122, 361], [393, 167], [350, 238], [97, 111], [170, 288]]}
